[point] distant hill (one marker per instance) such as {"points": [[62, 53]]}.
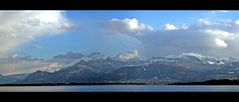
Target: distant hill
{"points": [[12, 78], [211, 82]]}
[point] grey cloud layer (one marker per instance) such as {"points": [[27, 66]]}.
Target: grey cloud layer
{"points": [[23, 63]]}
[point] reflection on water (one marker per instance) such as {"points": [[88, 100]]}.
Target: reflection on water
{"points": [[122, 88]]}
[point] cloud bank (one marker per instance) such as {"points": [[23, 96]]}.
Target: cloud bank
{"points": [[18, 27], [206, 36]]}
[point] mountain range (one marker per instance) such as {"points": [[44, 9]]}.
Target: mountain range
{"points": [[97, 68]]}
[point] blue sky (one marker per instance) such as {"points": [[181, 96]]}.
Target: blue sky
{"points": [[88, 38]]}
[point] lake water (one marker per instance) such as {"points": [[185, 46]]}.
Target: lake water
{"points": [[123, 88]]}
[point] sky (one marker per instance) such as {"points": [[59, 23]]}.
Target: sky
{"points": [[44, 34]]}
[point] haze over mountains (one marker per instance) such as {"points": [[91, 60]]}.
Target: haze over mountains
{"points": [[96, 68]]}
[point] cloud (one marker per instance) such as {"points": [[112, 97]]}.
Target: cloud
{"points": [[18, 27], [237, 22], [219, 11], [127, 26], [220, 43], [220, 34], [19, 63], [169, 27], [51, 67], [204, 22], [206, 36], [128, 55], [23, 63]]}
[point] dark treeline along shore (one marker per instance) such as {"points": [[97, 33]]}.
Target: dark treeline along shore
{"points": [[71, 84], [211, 82], [208, 82]]}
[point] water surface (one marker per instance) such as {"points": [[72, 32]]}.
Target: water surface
{"points": [[123, 88]]}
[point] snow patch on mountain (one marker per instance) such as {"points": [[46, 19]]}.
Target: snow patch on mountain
{"points": [[199, 58]]}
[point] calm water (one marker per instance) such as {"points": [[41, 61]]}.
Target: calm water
{"points": [[122, 88]]}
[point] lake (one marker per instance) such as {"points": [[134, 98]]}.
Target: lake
{"points": [[123, 88]]}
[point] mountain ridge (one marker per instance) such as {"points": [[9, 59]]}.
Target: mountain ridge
{"points": [[179, 68]]}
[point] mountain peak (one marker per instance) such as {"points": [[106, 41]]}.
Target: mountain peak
{"points": [[95, 56], [69, 53]]}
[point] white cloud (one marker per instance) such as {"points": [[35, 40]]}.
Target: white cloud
{"points": [[219, 24], [184, 27], [221, 34], [128, 55], [51, 67], [18, 27], [14, 55], [127, 26], [220, 43], [170, 27], [237, 22], [223, 11], [219, 11], [204, 22]]}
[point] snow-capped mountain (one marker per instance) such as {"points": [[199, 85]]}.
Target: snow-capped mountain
{"points": [[194, 60], [184, 67], [197, 58]]}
